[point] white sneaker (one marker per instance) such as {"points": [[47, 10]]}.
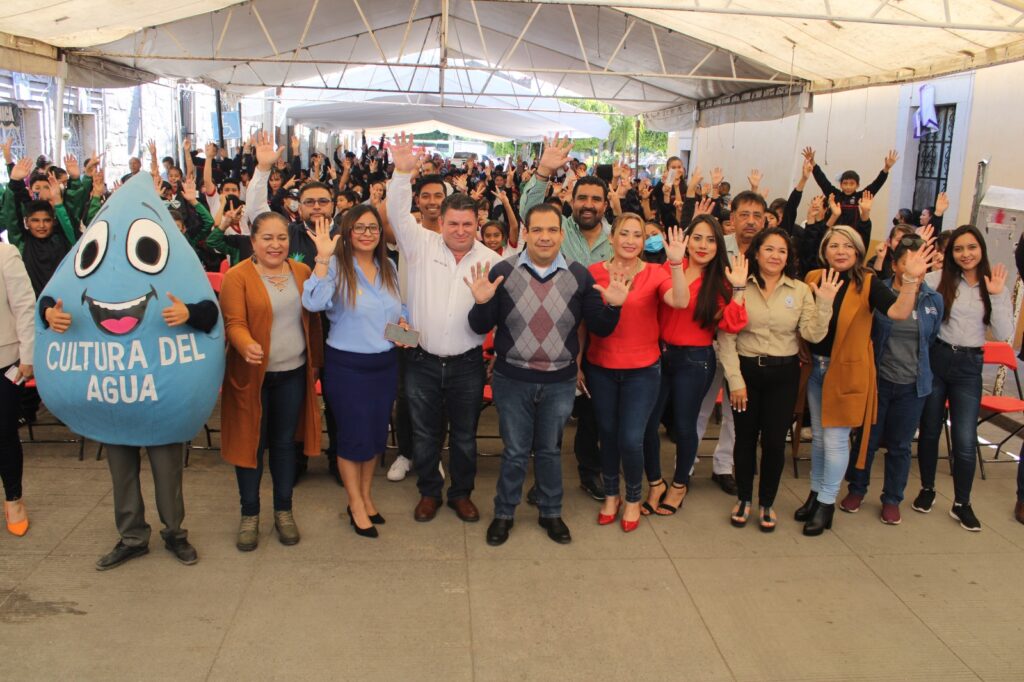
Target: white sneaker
{"points": [[401, 466]]}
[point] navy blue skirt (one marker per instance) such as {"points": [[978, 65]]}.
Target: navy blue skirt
{"points": [[361, 388]]}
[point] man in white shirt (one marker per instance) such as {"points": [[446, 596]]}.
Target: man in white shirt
{"points": [[445, 374]]}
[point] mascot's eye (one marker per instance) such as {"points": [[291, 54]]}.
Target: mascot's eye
{"points": [[91, 249], [147, 246]]}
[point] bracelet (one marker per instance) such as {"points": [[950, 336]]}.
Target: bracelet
{"points": [[674, 265], [545, 178], [322, 261], [735, 289]]}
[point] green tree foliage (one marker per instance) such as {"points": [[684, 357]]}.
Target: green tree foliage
{"points": [[622, 136]]}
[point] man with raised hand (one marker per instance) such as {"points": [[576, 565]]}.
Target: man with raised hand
{"points": [[585, 240], [445, 373]]}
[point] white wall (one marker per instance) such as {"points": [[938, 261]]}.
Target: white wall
{"points": [[855, 129]]}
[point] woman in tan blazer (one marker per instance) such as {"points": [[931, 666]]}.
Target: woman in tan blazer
{"points": [[269, 397], [17, 336]]}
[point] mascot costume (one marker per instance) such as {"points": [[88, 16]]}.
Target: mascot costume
{"points": [[130, 353]]}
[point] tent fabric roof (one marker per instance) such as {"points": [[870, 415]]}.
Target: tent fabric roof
{"points": [[638, 55]]}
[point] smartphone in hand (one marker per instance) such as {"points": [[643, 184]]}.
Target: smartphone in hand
{"points": [[410, 337]]}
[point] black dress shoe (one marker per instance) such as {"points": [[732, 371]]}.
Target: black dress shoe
{"points": [[556, 528], [497, 532], [726, 482], [820, 519], [591, 488], [182, 550], [805, 512], [120, 554], [531, 495]]}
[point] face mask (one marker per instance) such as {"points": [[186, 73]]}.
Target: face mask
{"points": [[293, 206], [654, 243]]}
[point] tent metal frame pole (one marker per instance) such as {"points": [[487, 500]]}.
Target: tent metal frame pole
{"points": [[452, 67], [697, 8], [636, 163]]}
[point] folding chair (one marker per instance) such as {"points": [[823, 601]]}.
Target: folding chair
{"points": [[999, 353], [79, 440], [487, 399]]}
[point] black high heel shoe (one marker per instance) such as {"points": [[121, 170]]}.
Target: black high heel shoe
{"points": [[807, 510], [646, 509], [370, 532], [375, 519], [820, 520]]}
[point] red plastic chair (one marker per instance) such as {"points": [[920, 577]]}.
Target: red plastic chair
{"points": [[216, 279], [225, 265], [487, 399], [999, 353]]}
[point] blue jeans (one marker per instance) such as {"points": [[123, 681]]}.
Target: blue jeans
{"points": [[956, 378], [532, 417], [281, 399], [686, 376], [435, 387], [623, 402], [899, 412], [830, 447]]}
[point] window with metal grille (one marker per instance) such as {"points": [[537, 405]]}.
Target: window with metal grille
{"points": [[933, 153]]}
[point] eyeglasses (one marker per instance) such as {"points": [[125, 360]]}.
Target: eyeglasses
{"points": [[360, 228], [323, 201]]}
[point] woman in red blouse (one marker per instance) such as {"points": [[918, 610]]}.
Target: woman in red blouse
{"points": [[714, 301], [623, 370]]}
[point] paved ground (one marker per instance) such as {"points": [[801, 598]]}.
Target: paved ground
{"points": [[683, 598]]}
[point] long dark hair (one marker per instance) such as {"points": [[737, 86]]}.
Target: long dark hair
{"points": [[789, 270], [348, 282], [713, 287], [951, 272]]}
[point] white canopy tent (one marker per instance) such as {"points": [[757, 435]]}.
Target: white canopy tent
{"points": [[661, 58]]}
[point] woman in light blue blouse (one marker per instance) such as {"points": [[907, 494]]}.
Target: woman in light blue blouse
{"points": [[357, 285]]}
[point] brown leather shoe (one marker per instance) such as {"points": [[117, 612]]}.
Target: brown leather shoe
{"points": [[1018, 512], [427, 508], [465, 509]]}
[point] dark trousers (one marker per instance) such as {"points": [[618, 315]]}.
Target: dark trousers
{"points": [[957, 378], [167, 463], [899, 413], [532, 417], [403, 420], [11, 457], [771, 396], [585, 443], [623, 402], [686, 376], [436, 386], [281, 399]]}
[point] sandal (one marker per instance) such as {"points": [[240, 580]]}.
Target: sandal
{"points": [[740, 514], [766, 518], [646, 509], [669, 510]]}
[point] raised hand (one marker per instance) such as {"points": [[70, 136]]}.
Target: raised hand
{"points": [[21, 169], [866, 200], [333, 174], [71, 166], [266, 155], [210, 150], [693, 182], [482, 287], [188, 191], [6, 147], [717, 176], [920, 261], [926, 233], [99, 183], [737, 272], [675, 244], [704, 207], [93, 164], [997, 282], [829, 286], [151, 146], [176, 313], [834, 206], [754, 178], [555, 155], [321, 236], [295, 144], [56, 196], [890, 160], [58, 320], [816, 210], [808, 168], [616, 292], [253, 354], [403, 154], [808, 154], [941, 203], [186, 145]]}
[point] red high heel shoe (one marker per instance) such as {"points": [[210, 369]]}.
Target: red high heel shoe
{"points": [[608, 519], [630, 526]]}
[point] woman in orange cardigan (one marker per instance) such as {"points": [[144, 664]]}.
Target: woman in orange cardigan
{"points": [[841, 392], [269, 396]]}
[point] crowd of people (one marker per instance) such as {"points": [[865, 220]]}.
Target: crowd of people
{"points": [[400, 284]]}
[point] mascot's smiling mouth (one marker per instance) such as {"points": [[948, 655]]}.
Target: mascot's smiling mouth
{"points": [[119, 318]]}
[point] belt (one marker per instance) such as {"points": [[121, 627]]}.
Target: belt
{"points": [[478, 351], [961, 349], [771, 360]]}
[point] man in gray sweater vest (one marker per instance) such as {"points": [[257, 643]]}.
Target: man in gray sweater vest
{"points": [[536, 301]]}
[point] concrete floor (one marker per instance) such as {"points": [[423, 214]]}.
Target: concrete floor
{"points": [[683, 598]]}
